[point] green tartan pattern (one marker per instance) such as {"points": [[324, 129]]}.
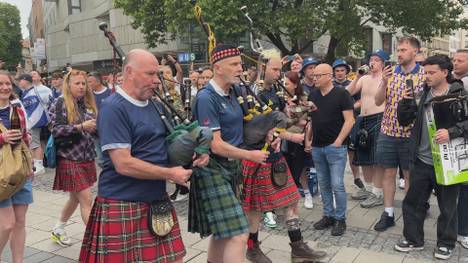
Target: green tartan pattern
{"points": [[214, 208]]}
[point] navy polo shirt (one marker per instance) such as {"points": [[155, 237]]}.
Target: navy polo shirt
{"points": [[136, 125], [220, 112]]}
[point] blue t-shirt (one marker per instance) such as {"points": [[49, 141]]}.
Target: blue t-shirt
{"points": [[100, 96], [135, 125], [220, 113], [270, 98], [5, 117]]}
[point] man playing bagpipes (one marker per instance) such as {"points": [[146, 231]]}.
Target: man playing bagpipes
{"points": [[132, 219], [269, 186], [214, 207]]}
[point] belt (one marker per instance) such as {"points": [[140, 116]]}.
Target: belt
{"points": [[220, 158]]}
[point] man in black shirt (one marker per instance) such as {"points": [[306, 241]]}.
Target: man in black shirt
{"points": [[332, 122]]}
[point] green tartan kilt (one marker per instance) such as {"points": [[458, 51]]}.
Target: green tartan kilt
{"points": [[214, 207]]}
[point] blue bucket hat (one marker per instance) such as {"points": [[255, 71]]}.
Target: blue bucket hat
{"points": [[381, 54], [341, 62], [307, 62]]}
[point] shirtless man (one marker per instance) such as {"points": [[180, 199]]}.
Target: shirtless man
{"points": [[371, 117]]}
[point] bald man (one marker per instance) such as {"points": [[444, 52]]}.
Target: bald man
{"points": [[134, 176], [332, 122]]}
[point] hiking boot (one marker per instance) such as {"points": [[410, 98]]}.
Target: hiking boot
{"points": [[338, 228], [269, 219], [256, 255], [361, 194], [385, 222], [442, 253], [301, 252], [406, 246], [372, 201], [324, 223], [60, 237]]}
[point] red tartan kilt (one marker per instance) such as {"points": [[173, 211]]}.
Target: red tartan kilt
{"points": [[72, 176], [117, 231], [258, 191]]}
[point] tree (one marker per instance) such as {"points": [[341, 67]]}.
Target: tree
{"points": [[10, 35], [293, 25]]}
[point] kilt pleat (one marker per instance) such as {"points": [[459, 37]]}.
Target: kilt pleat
{"points": [[260, 194], [118, 231], [73, 176], [213, 207]]}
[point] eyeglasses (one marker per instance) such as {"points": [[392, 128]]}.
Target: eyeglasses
{"points": [[317, 76]]}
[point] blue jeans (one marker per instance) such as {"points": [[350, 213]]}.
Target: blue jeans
{"points": [[330, 162]]}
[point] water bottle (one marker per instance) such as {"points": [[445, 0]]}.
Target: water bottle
{"points": [[313, 182]]}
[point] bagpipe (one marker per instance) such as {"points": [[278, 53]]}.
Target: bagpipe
{"points": [[259, 117], [185, 138]]}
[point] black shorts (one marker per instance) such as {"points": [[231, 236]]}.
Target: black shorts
{"points": [[367, 155]]}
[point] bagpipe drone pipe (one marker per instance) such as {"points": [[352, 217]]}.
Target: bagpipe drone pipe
{"points": [[185, 138]]}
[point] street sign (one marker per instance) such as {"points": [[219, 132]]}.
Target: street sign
{"points": [[186, 57]]}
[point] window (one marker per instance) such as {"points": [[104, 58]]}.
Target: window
{"points": [[74, 7], [387, 43], [369, 39]]}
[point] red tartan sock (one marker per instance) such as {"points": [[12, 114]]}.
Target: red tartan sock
{"points": [[253, 239]]}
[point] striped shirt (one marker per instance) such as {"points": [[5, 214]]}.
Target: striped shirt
{"points": [[395, 89]]}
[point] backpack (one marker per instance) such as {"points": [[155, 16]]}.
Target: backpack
{"points": [[15, 166]]}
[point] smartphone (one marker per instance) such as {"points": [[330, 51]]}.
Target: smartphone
{"points": [[388, 63]]}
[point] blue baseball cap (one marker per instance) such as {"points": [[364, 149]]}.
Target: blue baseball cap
{"points": [[341, 62], [307, 62], [381, 54]]}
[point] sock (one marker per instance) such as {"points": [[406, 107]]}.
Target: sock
{"points": [[295, 235], [307, 193], [253, 238], [38, 164], [389, 211], [377, 191], [60, 225], [358, 183]]}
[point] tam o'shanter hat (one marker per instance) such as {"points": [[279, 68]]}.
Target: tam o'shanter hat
{"points": [[223, 51]]}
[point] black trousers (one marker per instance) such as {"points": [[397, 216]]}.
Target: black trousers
{"points": [[422, 181], [463, 211]]}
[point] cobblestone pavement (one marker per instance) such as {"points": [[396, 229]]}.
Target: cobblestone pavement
{"points": [[360, 243]]}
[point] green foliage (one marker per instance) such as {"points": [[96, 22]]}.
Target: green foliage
{"points": [[292, 25], [10, 35]]}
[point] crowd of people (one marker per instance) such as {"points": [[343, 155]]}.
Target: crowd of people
{"points": [[370, 121]]}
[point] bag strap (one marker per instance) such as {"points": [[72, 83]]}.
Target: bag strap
{"points": [[3, 129]]}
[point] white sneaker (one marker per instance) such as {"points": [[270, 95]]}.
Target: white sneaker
{"points": [[401, 184], [308, 202], [60, 237], [269, 220], [463, 241], [39, 170]]}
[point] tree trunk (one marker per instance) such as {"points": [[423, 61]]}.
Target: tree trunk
{"points": [[332, 45], [278, 42]]}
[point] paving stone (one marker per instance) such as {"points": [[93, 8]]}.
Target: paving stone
{"points": [[59, 259], [367, 256], [346, 255], [39, 257], [201, 258]]}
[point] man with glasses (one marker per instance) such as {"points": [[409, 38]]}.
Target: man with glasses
{"points": [[333, 120]]}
